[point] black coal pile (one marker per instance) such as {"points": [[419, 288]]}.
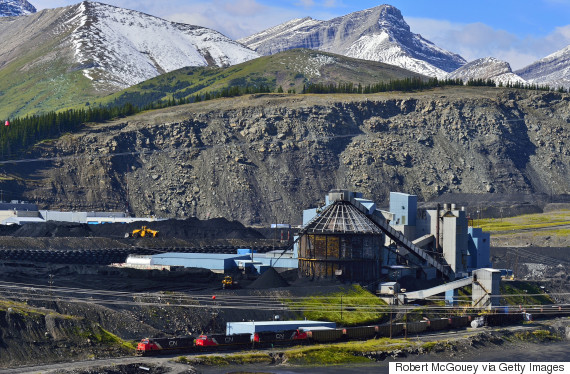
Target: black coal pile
{"points": [[7, 230], [53, 230], [190, 229], [269, 279]]}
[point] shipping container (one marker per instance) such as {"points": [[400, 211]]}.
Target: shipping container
{"points": [[258, 326]]}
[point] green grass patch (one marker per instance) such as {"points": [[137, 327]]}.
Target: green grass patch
{"points": [[342, 353], [232, 359], [559, 232], [26, 310], [321, 354], [351, 306], [524, 293], [429, 346], [537, 336], [104, 337], [524, 222]]}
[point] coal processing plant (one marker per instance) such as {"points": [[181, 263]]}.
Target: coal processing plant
{"points": [[349, 240]]}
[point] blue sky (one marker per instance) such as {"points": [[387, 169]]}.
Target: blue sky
{"points": [[519, 32]]}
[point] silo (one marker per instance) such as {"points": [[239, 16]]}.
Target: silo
{"points": [[341, 242]]}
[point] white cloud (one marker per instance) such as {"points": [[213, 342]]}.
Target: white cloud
{"points": [[306, 3], [476, 40], [231, 18]]}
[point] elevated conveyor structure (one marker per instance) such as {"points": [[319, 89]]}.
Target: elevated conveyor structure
{"points": [[424, 294], [388, 230], [400, 239]]}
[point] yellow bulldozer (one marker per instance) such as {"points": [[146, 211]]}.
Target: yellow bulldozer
{"points": [[228, 282], [143, 232]]}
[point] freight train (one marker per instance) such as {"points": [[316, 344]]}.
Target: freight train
{"points": [[214, 342]]}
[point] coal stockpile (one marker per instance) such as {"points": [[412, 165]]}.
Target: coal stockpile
{"points": [[269, 279], [6, 230], [53, 230], [189, 229]]}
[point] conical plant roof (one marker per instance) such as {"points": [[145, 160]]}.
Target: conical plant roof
{"points": [[342, 217]]}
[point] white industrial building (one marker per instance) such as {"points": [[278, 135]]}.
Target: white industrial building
{"points": [[18, 213]]}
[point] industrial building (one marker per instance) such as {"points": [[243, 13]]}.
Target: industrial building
{"points": [[349, 239], [243, 261], [18, 213], [252, 327], [424, 243], [341, 241]]}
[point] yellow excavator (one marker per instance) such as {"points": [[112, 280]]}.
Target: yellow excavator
{"points": [[142, 233]]}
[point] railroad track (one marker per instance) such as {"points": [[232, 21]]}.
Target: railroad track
{"points": [[536, 257]]}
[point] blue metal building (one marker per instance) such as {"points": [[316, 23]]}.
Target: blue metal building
{"points": [[213, 261], [479, 246], [404, 207]]}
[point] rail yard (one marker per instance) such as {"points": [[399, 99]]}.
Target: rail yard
{"points": [[372, 273]]}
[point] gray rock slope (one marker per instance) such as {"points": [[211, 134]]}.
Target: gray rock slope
{"points": [[232, 157], [378, 34]]}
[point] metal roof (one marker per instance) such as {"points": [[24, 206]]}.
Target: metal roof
{"points": [[342, 217]]}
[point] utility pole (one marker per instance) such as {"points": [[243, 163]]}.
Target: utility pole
{"points": [[128, 191]]}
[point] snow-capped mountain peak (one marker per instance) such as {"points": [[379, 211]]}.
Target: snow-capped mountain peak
{"points": [[487, 68], [553, 70], [391, 18], [377, 34], [125, 47], [13, 8]]}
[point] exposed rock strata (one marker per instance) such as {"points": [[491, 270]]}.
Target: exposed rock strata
{"points": [[265, 158]]}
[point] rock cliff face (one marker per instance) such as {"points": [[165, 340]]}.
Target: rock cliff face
{"points": [[264, 158], [36, 337]]}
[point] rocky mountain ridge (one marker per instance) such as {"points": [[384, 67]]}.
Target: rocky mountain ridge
{"points": [[257, 157], [553, 70], [377, 34], [487, 68], [130, 47], [14, 8]]}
